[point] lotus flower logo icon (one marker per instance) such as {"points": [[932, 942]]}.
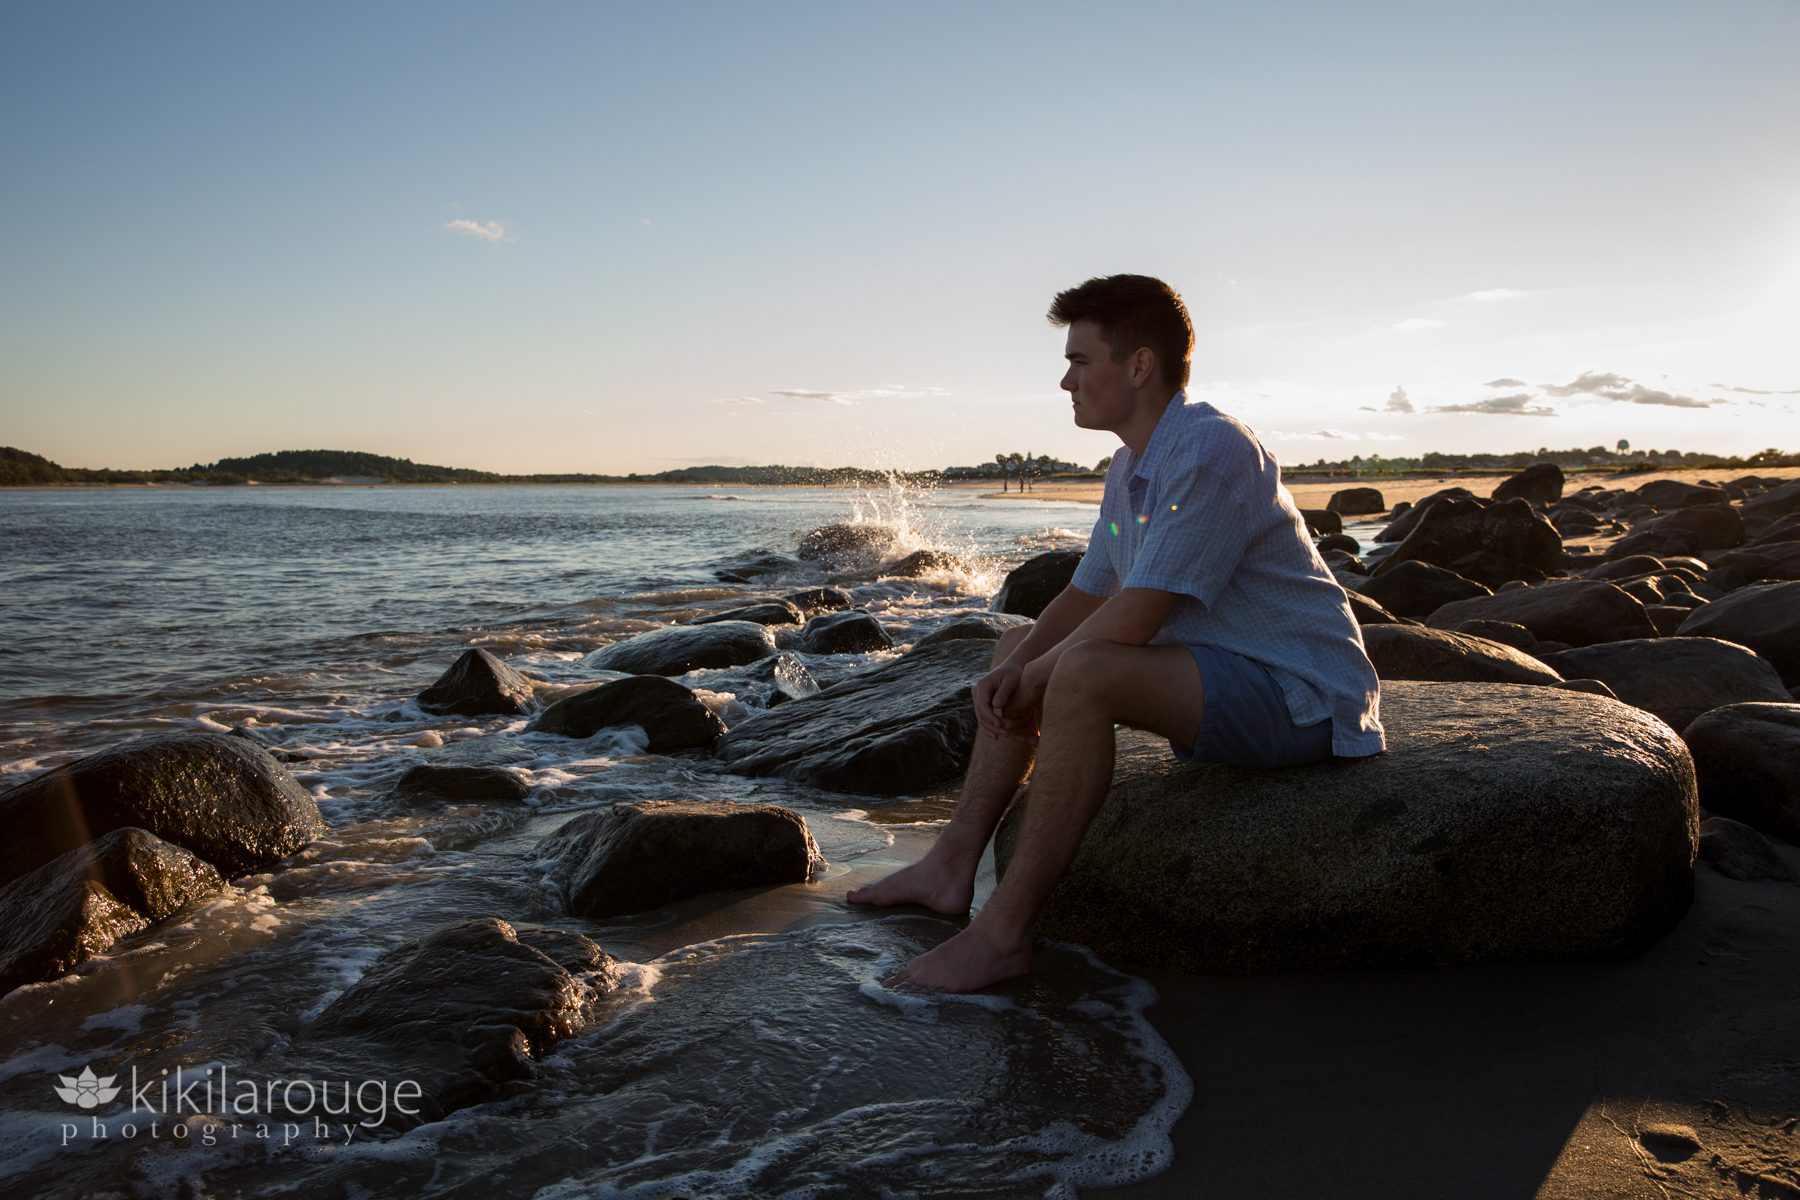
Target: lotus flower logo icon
{"points": [[87, 1090]]}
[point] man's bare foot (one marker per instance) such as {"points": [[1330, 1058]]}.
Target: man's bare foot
{"points": [[967, 962], [939, 887]]}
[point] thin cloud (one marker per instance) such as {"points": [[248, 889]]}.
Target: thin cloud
{"points": [[1416, 325], [1608, 386], [740, 400], [1725, 387], [487, 231], [1493, 294], [1519, 405], [1506, 383], [892, 391], [1399, 402]]}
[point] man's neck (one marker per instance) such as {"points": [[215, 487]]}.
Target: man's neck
{"points": [[1136, 431]]}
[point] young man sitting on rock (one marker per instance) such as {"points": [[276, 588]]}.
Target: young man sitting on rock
{"points": [[1201, 612]]}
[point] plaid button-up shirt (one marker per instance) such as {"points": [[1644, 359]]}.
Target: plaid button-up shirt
{"points": [[1203, 514]]}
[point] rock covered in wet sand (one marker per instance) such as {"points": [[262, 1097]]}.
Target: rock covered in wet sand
{"points": [[223, 798], [678, 649], [631, 858], [671, 715], [1503, 822], [462, 1013], [478, 684], [901, 726], [81, 903]]}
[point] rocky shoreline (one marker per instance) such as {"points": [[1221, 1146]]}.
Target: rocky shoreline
{"points": [[1591, 692]]}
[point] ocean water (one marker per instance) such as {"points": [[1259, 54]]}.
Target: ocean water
{"points": [[752, 1049]]}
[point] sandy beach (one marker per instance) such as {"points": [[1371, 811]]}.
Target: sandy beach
{"points": [[1312, 492]]}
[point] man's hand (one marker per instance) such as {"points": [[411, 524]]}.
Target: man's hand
{"points": [[1005, 704]]}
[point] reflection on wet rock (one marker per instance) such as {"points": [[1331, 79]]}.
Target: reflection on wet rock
{"points": [[478, 684], [671, 715]]}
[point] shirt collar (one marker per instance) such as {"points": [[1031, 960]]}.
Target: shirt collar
{"points": [[1157, 448]]}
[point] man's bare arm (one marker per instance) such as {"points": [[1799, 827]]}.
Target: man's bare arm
{"points": [[1061, 617]]}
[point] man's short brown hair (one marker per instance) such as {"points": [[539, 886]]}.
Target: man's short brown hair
{"points": [[1133, 311]]}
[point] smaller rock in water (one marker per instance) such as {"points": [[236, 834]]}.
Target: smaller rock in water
{"points": [[844, 633], [1356, 501], [635, 857], [463, 1013], [986, 627], [925, 562], [1339, 541], [476, 685], [1737, 851], [820, 599], [80, 904], [769, 612], [848, 544], [1033, 584], [1747, 759], [670, 715], [679, 649], [1321, 521], [467, 783]]}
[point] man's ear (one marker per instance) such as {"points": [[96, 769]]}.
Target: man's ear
{"points": [[1143, 366]]}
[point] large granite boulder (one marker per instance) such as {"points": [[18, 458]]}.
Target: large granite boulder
{"points": [[1764, 617], [1033, 584], [635, 857], [476, 685], [1656, 543], [1504, 821], [79, 904], [987, 627], [1357, 501], [1415, 590], [1747, 757], [1415, 652], [1489, 543], [670, 715], [1540, 485], [464, 1013], [220, 797], [1625, 567], [1578, 612], [678, 649], [1676, 678], [900, 727], [1368, 612], [766, 612], [853, 632]]}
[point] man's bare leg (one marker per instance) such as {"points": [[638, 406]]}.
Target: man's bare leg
{"points": [[1096, 685], [944, 880]]}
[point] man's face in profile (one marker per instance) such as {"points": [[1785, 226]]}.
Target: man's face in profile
{"points": [[1099, 386]]}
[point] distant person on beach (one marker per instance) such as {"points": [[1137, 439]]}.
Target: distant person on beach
{"points": [[1201, 612]]}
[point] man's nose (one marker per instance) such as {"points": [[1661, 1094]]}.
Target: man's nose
{"points": [[1068, 381]]}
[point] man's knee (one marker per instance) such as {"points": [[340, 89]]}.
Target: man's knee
{"points": [[1009, 641], [1088, 672]]}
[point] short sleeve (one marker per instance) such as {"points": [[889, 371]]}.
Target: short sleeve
{"points": [[1195, 536], [1094, 574]]}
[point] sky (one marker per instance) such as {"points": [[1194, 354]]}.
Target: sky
{"points": [[629, 237]]}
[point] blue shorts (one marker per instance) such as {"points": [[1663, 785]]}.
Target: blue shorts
{"points": [[1245, 721]]}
